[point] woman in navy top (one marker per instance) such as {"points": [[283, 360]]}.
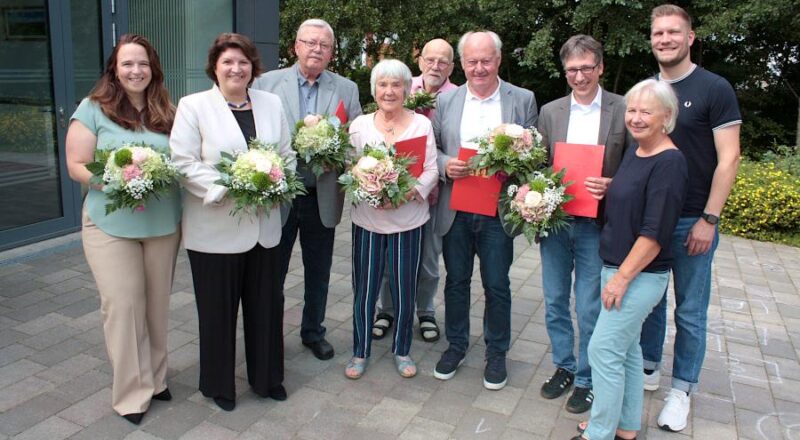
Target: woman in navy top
{"points": [[643, 205]]}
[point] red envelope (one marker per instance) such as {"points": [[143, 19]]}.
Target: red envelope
{"points": [[476, 194], [414, 147], [581, 161], [341, 113]]}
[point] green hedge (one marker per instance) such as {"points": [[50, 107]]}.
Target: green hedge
{"points": [[765, 201]]}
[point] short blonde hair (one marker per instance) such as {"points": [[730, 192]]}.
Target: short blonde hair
{"points": [[666, 10], [663, 93]]}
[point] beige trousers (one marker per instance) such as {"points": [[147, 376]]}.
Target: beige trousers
{"points": [[134, 278]]}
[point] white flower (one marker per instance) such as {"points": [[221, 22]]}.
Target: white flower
{"points": [[533, 199], [366, 163], [512, 189], [262, 164], [514, 130], [311, 120]]}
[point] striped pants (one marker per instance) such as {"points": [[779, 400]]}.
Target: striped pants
{"points": [[371, 251]]}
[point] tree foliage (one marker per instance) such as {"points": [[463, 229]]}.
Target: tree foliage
{"points": [[755, 44]]}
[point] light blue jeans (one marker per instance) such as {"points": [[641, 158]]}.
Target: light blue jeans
{"points": [[575, 247], [692, 282], [616, 357]]}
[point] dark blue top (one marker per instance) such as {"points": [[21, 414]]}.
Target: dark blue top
{"points": [[645, 198], [706, 102]]}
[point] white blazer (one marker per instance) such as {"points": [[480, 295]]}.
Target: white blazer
{"points": [[204, 127]]}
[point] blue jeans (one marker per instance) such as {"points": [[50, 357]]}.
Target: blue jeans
{"points": [[316, 244], [575, 247], [616, 357], [469, 235], [692, 283]]}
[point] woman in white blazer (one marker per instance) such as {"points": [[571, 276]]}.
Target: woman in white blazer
{"points": [[231, 257]]}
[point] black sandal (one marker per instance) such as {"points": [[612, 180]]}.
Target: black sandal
{"points": [[383, 322], [427, 324]]}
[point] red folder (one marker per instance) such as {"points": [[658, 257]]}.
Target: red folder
{"points": [[476, 194], [414, 147], [581, 161], [341, 113]]}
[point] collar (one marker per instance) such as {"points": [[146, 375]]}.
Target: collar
{"points": [[302, 80], [495, 96], [680, 78], [418, 84], [596, 102]]}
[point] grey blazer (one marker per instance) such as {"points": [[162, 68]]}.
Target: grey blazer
{"points": [[332, 89], [554, 121], [518, 107]]}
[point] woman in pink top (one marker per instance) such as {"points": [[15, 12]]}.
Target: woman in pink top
{"points": [[389, 235]]}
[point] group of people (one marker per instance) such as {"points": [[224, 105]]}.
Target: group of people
{"points": [[671, 150]]}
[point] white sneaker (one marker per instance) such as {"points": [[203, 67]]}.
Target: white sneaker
{"points": [[676, 411], [652, 380]]}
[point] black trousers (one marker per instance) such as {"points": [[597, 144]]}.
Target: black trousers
{"points": [[220, 281]]}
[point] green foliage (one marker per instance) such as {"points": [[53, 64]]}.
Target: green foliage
{"points": [[123, 157], [764, 203]]}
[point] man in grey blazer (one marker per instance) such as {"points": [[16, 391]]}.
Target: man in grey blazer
{"points": [[308, 88], [588, 115], [472, 110]]}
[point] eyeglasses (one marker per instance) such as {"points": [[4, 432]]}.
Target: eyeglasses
{"points": [[432, 62], [584, 70], [313, 44], [484, 63]]}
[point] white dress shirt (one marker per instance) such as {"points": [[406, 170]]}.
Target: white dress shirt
{"points": [[480, 117], [584, 120]]}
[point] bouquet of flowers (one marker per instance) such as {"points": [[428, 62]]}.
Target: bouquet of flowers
{"points": [[322, 143], [420, 100], [257, 178], [538, 205], [379, 176], [510, 149], [131, 174]]}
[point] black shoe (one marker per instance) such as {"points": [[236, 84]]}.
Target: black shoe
{"points": [[448, 364], [557, 384], [321, 349], [277, 393], [494, 375], [134, 418], [163, 396], [580, 401], [226, 404]]}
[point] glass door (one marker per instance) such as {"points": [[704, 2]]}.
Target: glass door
{"points": [[37, 95]]}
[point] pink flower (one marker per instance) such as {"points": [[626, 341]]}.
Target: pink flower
{"points": [[139, 208], [371, 184], [527, 137], [523, 191], [139, 156], [131, 172], [276, 173], [311, 120], [391, 176]]}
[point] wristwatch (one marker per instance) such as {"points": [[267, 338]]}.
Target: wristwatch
{"points": [[710, 218]]}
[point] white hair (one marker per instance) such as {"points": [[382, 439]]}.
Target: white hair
{"points": [[663, 93], [498, 44], [390, 68], [316, 22]]}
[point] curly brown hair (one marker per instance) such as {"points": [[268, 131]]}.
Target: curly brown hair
{"points": [[158, 113], [229, 40]]}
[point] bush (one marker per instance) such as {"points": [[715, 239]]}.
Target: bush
{"points": [[765, 200]]}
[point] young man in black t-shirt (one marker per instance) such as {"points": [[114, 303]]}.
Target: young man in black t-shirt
{"points": [[707, 133]]}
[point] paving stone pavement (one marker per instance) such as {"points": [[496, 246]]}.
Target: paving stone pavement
{"points": [[55, 377]]}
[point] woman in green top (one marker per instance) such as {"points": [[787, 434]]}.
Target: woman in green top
{"points": [[131, 253]]}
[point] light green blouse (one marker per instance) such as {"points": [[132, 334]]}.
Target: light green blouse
{"points": [[160, 216]]}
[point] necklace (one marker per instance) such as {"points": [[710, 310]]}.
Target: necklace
{"points": [[386, 127], [239, 106]]}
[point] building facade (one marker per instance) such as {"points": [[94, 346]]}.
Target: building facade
{"points": [[51, 54]]}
